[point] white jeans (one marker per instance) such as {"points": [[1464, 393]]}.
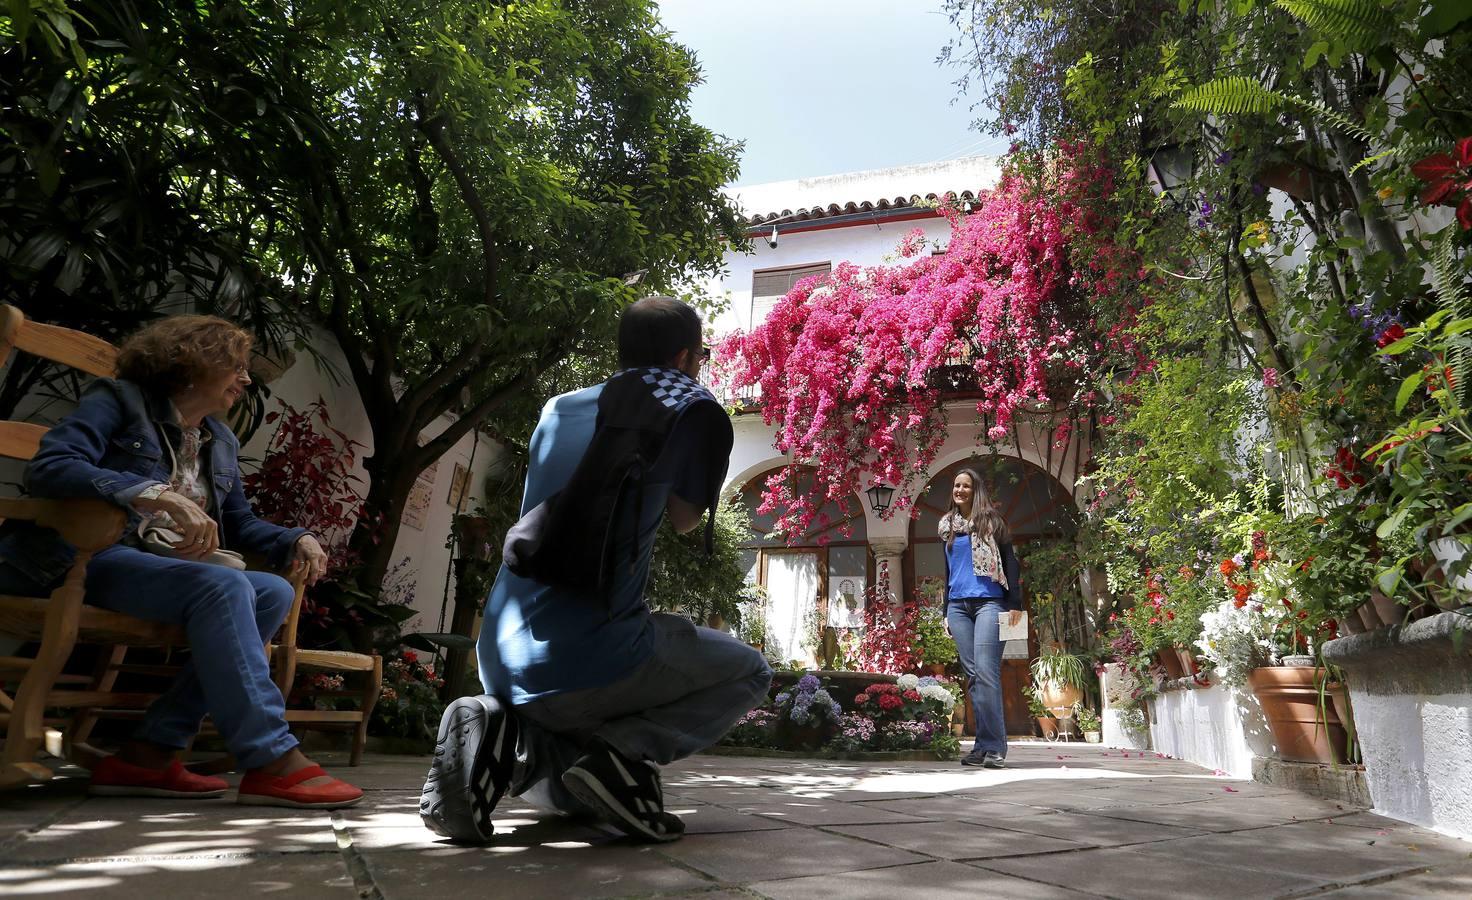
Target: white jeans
{"points": [[689, 693]]}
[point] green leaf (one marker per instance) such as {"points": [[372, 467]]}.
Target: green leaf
{"points": [[1407, 388], [1400, 346], [1392, 525], [431, 640], [1443, 16], [1315, 52]]}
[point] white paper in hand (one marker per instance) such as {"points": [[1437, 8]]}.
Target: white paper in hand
{"points": [[1016, 632]]}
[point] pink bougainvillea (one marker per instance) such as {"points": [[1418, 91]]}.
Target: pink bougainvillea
{"points": [[1028, 295]]}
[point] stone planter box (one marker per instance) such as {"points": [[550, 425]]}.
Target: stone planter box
{"points": [[1411, 690]]}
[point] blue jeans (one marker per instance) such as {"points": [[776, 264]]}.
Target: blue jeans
{"points": [[229, 617], [692, 689], [974, 622]]}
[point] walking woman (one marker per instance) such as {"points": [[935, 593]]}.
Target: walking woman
{"points": [[981, 584], [149, 442]]}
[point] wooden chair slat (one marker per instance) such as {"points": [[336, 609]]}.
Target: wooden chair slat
{"points": [[20, 440], [25, 618], [71, 348]]}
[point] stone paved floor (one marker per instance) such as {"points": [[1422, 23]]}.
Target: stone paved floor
{"points": [[1064, 821]]}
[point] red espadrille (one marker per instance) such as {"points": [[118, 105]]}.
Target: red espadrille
{"points": [[259, 789], [115, 778]]}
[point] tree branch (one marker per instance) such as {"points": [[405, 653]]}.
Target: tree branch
{"points": [[433, 128], [442, 442]]}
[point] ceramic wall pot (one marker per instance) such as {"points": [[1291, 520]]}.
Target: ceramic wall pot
{"points": [[1290, 700]]}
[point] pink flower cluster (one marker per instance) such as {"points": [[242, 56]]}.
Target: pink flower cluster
{"points": [[844, 361]]}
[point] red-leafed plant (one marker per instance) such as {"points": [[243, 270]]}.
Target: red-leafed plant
{"points": [[306, 479]]}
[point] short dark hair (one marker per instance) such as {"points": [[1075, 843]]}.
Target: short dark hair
{"points": [[654, 330]]}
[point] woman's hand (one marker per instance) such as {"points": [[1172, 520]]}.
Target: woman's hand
{"points": [[201, 534], [309, 558], [1014, 618]]}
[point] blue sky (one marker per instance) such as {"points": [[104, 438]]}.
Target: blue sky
{"points": [[817, 87]]}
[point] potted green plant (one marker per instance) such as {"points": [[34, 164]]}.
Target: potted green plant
{"points": [[932, 644], [1060, 678]]}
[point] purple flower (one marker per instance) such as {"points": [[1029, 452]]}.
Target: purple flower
{"points": [[1224, 158], [1258, 190], [807, 684]]}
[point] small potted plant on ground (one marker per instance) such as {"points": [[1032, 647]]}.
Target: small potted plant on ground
{"points": [[1088, 722], [1047, 724]]}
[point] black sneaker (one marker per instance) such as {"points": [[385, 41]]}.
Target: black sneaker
{"points": [[993, 760], [471, 769], [627, 794], [974, 758]]}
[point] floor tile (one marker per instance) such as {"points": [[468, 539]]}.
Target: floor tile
{"points": [[931, 880], [1128, 875], [951, 840], [751, 856]]}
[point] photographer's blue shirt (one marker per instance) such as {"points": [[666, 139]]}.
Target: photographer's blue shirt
{"points": [[537, 640], [963, 581]]}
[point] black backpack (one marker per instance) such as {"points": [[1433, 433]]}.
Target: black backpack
{"points": [[568, 540]]}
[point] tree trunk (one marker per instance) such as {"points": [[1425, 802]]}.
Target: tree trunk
{"points": [[390, 478]]}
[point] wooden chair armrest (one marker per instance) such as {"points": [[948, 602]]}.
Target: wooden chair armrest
{"points": [[88, 525]]}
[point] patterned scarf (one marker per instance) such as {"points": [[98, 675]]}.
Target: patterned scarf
{"points": [[986, 557]]}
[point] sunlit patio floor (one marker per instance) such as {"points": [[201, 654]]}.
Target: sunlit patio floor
{"points": [[1063, 821]]}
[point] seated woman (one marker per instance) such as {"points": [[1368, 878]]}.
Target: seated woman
{"points": [[147, 443]]}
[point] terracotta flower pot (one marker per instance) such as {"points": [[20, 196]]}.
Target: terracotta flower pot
{"points": [[1048, 726], [1290, 700], [1187, 661], [1059, 696], [1387, 610], [1168, 660]]}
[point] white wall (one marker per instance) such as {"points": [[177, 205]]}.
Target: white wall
{"points": [[428, 558], [865, 244], [1216, 727]]}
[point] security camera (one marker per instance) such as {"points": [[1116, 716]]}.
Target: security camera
{"points": [[772, 241]]}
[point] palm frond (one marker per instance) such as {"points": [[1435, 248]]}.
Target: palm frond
{"points": [[1358, 23]]}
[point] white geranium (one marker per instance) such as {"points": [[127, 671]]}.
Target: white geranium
{"points": [[908, 682], [936, 692], [1236, 639]]}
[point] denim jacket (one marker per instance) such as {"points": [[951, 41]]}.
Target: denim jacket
{"points": [[111, 448]]}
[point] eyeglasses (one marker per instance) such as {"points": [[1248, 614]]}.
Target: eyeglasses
{"points": [[705, 354]]}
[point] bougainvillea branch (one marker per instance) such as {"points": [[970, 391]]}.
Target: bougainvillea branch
{"points": [[1029, 294]]}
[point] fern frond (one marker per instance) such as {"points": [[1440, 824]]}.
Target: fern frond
{"points": [[1449, 283], [1403, 153], [1234, 95], [1238, 95], [1358, 23], [1334, 118]]}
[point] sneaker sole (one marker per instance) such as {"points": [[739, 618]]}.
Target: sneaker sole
{"points": [[121, 790], [583, 785], [268, 800], [457, 800]]}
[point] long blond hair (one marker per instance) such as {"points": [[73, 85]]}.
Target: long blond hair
{"points": [[985, 519]]}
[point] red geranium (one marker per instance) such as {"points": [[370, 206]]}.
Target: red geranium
{"points": [[1228, 566], [890, 701], [1394, 332], [1447, 175]]}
